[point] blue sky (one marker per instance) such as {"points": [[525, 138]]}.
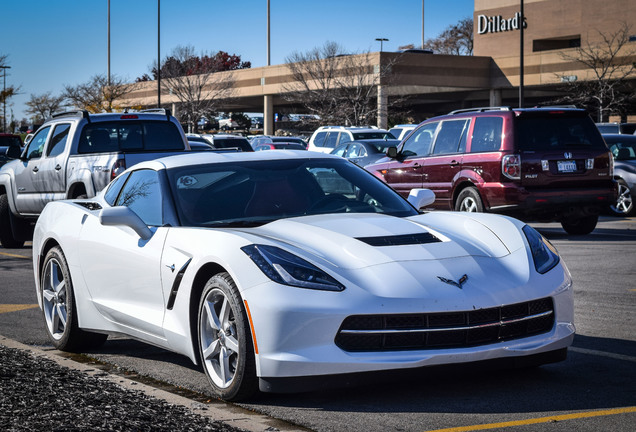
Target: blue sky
{"points": [[52, 43]]}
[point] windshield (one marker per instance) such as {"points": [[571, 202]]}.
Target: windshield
{"points": [[622, 147], [255, 193]]}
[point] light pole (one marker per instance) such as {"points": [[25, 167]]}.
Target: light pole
{"points": [[158, 53], [381, 40], [4, 98]]}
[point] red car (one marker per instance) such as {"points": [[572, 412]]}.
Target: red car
{"points": [[546, 164]]}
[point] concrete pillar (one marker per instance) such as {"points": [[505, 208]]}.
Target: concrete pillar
{"points": [[383, 101], [268, 115], [495, 97]]}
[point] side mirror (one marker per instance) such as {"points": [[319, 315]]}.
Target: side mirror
{"points": [[392, 152], [421, 198], [124, 216], [14, 152]]}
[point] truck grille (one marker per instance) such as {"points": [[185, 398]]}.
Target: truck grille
{"points": [[447, 329]]}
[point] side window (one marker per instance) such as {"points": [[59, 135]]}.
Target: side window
{"points": [[36, 146], [354, 150], [332, 140], [142, 194], [420, 141], [58, 140], [344, 138], [449, 136], [319, 139], [339, 151], [486, 134], [113, 190]]}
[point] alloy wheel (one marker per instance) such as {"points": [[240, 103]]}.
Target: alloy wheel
{"points": [[54, 295]]}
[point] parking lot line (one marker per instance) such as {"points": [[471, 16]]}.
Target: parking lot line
{"points": [[603, 354], [549, 419], [14, 255], [4, 308]]}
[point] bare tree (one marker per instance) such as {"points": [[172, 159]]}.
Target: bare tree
{"points": [[8, 92], [456, 39], [97, 95], [339, 88], [608, 64], [44, 105], [196, 81]]}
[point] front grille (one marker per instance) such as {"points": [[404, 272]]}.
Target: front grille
{"points": [[446, 329]]}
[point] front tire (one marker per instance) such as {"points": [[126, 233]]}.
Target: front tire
{"points": [[225, 343], [469, 200], [580, 226], [624, 205], [6, 233], [58, 306]]}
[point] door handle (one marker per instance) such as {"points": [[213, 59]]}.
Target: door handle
{"points": [[36, 169], [454, 163], [58, 167]]}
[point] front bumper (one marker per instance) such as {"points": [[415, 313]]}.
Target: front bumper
{"points": [[296, 328]]}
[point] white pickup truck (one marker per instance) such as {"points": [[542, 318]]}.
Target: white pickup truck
{"points": [[75, 155]]}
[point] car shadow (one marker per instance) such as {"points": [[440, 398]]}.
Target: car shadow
{"points": [[585, 381]]}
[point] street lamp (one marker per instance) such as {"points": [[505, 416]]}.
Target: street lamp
{"points": [[381, 40], [4, 98]]}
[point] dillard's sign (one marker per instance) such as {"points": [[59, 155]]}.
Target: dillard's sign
{"points": [[496, 24]]}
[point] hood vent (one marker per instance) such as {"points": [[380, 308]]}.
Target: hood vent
{"points": [[400, 240]]}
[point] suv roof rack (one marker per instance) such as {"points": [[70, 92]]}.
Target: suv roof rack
{"points": [[165, 111], [76, 113], [557, 106], [481, 109]]}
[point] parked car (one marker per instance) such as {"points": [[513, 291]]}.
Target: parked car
{"points": [[225, 141], [537, 164], [326, 138], [617, 128], [623, 148], [281, 270], [6, 141], [365, 152], [400, 131], [266, 139], [280, 146], [76, 154]]}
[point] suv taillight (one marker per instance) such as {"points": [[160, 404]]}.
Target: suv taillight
{"points": [[511, 166], [611, 165], [118, 167]]}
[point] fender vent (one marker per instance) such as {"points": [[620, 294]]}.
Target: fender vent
{"points": [[400, 240], [89, 205]]}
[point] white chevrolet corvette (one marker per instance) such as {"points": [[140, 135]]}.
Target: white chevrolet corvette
{"points": [[276, 270]]}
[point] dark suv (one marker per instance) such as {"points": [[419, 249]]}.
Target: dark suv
{"points": [[545, 164]]}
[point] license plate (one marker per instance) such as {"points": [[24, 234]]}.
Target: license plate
{"points": [[566, 166]]}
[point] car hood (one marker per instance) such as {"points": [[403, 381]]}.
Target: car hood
{"points": [[360, 240]]}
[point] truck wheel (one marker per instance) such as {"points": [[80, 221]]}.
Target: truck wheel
{"points": [[469, 201], [6, 233], [580, 226]]}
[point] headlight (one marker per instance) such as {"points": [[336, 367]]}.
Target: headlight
{"points": [[288, 269], [545, 255]]}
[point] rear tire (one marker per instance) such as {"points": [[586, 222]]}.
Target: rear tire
{"points": [[580, 226], [469, 201], [6, 232], [225, 343], [59, 309]]}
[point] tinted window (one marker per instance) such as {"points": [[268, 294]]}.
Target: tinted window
{"points": [[36, 146], [130, 136], [319, 139], [6, 141], [486, 134], [420, 141], [142, 194], [371, 135], [557, 133], [113, 190], [449, 136], [58, 140], [622, 147]]}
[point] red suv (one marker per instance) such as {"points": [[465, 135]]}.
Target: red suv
{"points": [[545, 164]]}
